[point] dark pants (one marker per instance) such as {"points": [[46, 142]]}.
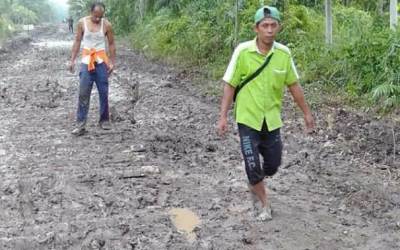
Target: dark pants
{"points": [[86, 80], [254, 143]]}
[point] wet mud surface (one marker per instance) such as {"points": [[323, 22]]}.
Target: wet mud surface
{"points": [[338, 189]]}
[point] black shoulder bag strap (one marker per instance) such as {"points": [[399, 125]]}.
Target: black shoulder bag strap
{"points": [[252, 76]]}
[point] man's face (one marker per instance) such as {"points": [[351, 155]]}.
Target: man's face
{"points": [[267, 30], [97, 14]]}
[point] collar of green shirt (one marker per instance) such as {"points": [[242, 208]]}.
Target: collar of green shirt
{"points": [[254, 48]]}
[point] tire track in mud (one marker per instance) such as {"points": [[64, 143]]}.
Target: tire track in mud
{"points": [[114, 190]]}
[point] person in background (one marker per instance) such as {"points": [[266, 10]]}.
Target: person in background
{"points": [[70, 21]]}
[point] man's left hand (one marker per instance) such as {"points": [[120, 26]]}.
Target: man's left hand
{"points": [[310, 123]]}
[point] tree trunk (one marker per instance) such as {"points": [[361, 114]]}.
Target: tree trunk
{"points": [[142, 9], [379, 7], [393, 14], [328, 18], [236, 38]]}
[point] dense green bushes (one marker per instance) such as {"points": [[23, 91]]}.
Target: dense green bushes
{"points": [[363, 57], [5, 28], [200, 38], [22, 15], [202, 33], [362, 61]]}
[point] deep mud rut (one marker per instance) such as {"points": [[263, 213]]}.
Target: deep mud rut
{"points": [[114, 190]]}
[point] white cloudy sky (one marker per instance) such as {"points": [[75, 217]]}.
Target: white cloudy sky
{"points": [[61, 1], [61, 8]]}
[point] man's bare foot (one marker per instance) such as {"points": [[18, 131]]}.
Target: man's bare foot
{"points": [[266, 213]]}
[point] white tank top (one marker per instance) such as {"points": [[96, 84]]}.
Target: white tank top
{"points": [[93, 40]]}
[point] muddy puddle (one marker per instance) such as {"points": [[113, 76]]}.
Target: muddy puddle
{"points": [[185, 222]]}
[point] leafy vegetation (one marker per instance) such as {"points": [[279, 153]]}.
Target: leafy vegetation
{"points": [[363, 60], [18, 12]]}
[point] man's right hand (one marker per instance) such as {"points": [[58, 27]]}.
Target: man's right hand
{"points": [[222, 126], [71, 67]]}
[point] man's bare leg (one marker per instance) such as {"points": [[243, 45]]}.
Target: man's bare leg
{"points": [[260, 191]]}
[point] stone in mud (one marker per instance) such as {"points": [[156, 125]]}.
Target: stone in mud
{"points": [[132, 118], [131, 245], [134, 92], [247, 240], [97, 244], [47, 239], [146, 201], [211, 148], [214, 206], [171, 78], [132, 174], [3, 92], [167, 85], [138, 148], [150, 170], [9, 189], [395, 199], [125, 228]]}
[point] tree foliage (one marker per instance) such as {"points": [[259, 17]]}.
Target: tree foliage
{"points": [[363, 60], [19, 12], [22, 15], [15, 12]]}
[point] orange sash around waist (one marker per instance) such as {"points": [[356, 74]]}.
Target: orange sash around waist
{"points": [[93, 55]]}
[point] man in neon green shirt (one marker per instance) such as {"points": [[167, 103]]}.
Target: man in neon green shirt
{"points": [[259, 103]]}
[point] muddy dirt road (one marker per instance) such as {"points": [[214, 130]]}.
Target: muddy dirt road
{"points": [[122, 189]]}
